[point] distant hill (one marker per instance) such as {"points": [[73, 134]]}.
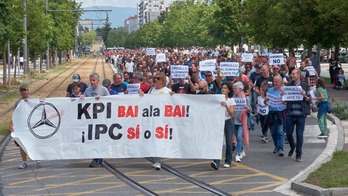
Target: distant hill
{"points": [[116, 16]]}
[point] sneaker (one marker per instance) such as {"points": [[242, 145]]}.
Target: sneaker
{"points": [[242, 154], [226, 165], [322, 136], [214, 165], [281, 153], [291, 152], [238, 158], [94, 163], [157, 165], [275, 150], [286, 140], [264, 139], [298, 159], [23, 166]]}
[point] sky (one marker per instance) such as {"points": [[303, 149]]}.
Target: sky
{"points": [[115, 3]]}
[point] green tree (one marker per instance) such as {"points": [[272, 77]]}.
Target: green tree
{"points": [[117, 37], [88, 38]]}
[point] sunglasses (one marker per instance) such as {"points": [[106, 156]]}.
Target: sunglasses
{"points": [[157, 78], [208, 75]]}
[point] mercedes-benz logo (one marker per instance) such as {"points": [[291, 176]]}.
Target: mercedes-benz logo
{"points": [[44, 120]]}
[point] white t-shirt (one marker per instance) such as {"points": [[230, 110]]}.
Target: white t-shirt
{"points": [[230, 101], [130, 67], [160, 91]]}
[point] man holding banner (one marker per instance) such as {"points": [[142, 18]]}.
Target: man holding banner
{"points": [[95, 90], [297, 109], [276, 117]]}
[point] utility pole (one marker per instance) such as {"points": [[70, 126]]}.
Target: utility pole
{"points": [[9, 63], [25, 41], [48, 45]]}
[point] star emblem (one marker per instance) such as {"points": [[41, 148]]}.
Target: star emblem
{"points": [[44, 120]]}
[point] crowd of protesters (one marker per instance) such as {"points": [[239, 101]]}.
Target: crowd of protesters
{"points": [[255, 81], [254, 94]]}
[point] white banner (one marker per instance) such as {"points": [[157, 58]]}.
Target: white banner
{"points": [[311, 70], [126, 126], [262, 108], [207, 65], [150, 51], [161, 58], [274, 101], [229, 68], [292, 93], [179, 71], [133, 88], [276, 59], [247, 57], [240, 103]]}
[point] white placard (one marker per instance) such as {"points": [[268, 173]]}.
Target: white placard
{"points": [[170, 126], [276, 59], [311, 70], [207, 65], [161, 58], [240, 103], [247, 57], [229, 68], [150, 51], [262, 108], [133, 88], [312, 94], [186, 52], [292, 93], [179, 71], [274, 101]]}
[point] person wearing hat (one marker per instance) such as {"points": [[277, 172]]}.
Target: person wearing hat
{"points": [[24, 91], [77, 80], [253, 77], [107, 84]]}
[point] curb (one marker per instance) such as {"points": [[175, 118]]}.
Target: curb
{"points": [[335, 142]]}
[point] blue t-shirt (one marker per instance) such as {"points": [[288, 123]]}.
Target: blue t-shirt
{"points": [[276, 94]]}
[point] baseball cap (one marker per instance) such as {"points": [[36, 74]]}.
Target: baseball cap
{"points": [[106, 82], [76, 77], [24, 87]]}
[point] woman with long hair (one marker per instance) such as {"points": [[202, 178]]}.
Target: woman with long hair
{"points": [[323, 107], [228, 103]]}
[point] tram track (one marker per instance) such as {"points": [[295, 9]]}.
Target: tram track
{"points": [[142, 188], [64, 79]]}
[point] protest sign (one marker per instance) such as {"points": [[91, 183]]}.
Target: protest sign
{"points": [[292, 93], [276, 59], [179, 71], [127, 126], [229, 68]]}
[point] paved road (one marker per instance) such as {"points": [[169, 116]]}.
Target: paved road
{"points": [[260, 173]]}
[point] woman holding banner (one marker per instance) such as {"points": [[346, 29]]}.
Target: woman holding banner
{"points": [[159, 88], [229, 104], [241, 110]]}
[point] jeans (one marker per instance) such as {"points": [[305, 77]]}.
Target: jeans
{"points": [[229, 126], [238, 131], [299, 121], [276, 127]]}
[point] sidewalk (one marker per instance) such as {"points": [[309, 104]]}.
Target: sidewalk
{"points": [[341, 95]]}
